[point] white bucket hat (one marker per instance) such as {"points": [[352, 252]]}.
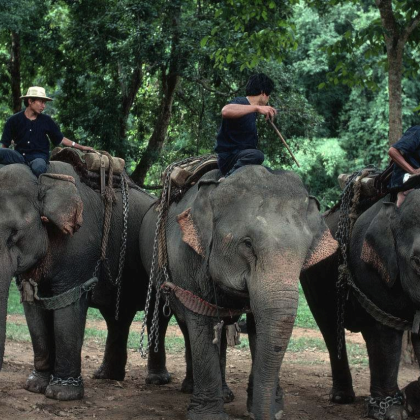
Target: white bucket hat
{"points": [[36, 92]]}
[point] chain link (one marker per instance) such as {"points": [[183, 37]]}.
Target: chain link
{"points": [[379, 406], [76, 382], [159, 269]]}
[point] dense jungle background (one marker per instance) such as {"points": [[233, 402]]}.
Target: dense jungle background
{"points": [[146, 80]]}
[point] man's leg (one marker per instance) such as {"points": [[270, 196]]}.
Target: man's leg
{"points": [[247, 157], [38, 166], [8, 156]]}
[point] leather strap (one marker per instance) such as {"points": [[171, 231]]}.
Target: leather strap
{"points": [[199, 306]]}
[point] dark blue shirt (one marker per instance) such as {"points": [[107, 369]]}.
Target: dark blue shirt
{"points": [[31, 137], [409, 146], [237, 134]]}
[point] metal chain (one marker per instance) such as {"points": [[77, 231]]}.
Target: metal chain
{"points": [[76, 382], [159, 268], [379, 406], [343, 235], [104, 260]]}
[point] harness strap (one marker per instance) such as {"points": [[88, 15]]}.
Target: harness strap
{"points": [[59, 301], [200, 306]]}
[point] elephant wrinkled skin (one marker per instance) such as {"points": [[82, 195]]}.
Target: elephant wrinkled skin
{"points": [[51, 232], [384, 258], [241, 242]]}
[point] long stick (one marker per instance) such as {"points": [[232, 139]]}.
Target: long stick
{"points": [[284, 142]]}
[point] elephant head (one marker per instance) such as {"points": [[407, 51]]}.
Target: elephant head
{"points": [[391, 246], [256, 231], [27, 206]]}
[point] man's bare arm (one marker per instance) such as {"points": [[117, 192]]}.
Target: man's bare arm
{"points": [[398, 158], [237, 110], [70, 143]]}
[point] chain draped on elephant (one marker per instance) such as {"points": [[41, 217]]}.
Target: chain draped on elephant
{"points": [[384, 259], [51, 232], [236, 243]]}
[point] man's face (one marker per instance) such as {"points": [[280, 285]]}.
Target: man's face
{"points": [[37, 105]]}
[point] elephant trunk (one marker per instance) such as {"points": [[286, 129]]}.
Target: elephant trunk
{"points": [[274, 302], [5, 280]]}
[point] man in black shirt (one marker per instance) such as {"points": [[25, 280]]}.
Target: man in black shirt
{"points": [[238, 138], [406, 156], [31, 132]]}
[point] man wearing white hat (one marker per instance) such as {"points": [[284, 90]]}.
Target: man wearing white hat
{"points": [[31, 132]]}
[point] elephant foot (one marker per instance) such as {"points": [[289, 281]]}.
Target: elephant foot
{"points": [[37, 382], [278, 404], [158, 378], [65, 389], [104, 372], [387, 408], [187, 386], [342, 396], [412, 398], [206, 409], [228, 395]]}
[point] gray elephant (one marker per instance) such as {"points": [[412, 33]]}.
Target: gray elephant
{"points": [[239, 243], [50, 235], [384, 259]]}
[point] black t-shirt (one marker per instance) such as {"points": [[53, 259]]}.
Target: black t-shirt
{"points": [[31, 136], [409, 146], [237, 134]]}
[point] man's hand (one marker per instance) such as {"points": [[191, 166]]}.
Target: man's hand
{"points": [[268, 111], [416, 172], [86, 148]]}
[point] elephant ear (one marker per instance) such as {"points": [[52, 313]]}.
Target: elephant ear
{"points": [[60, 202], [378, 250], [323, 244], [196, 222]]}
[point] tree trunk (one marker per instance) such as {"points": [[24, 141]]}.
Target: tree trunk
{"points": [[170, 80], [395, 93], [15, 73], [128, 96], [152, 153], [395, 39]]}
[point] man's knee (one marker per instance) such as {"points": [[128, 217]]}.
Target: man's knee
{"points": [[252, 157], [9, 156], [38, 166]]}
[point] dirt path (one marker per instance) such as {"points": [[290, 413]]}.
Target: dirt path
{"points": [[306, 381]]}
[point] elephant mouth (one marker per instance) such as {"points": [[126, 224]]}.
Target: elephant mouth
{"points": [[241, 294]]}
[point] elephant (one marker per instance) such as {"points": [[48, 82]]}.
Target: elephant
{"points": [[51, 230], [238, 243], [384, 261]]}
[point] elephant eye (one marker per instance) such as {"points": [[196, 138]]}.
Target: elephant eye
{"points": [[248, 243], [12, 238]]}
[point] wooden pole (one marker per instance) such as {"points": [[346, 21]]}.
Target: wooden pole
{"points": [[284, 142]]}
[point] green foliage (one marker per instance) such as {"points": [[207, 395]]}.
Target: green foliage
{"points": [[246, 32]]}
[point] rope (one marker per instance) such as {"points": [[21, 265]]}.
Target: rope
{"points": [[159, 271]]}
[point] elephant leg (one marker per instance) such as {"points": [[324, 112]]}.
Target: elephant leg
{"points": [[115, 357], [41, 328], [252, 335], [187, 386], [157, 373], [188, 383], [384, 350], [69, 328], [228, 395], [321, 296], [207, 399]]}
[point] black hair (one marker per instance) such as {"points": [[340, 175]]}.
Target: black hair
{"points": [[26, 101], [259, 83]]}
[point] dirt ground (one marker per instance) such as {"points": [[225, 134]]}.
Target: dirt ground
{"points": [[305, 376]]}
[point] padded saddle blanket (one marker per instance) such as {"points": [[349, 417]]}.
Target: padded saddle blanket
{"points": [[87, 165]]}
